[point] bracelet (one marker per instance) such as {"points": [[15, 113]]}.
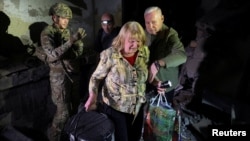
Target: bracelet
{"points": [[157, 65]]}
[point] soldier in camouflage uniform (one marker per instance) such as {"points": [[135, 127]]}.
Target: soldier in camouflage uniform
{"points": [[63, 53]]}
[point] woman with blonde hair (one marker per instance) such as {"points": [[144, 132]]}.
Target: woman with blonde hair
{"points": [[124, 66]]}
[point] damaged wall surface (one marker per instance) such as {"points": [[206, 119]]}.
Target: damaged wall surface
{"points": [[24, 80]]}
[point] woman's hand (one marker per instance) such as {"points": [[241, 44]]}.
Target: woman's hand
{"points": [[91, 103], [153, 70]]}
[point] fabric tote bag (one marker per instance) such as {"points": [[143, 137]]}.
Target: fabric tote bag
{"points": [[160, 119]]}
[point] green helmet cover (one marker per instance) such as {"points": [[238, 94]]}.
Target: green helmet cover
{"points": [[61, 9]]}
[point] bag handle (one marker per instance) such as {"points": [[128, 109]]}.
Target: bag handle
{"points": [[153, 99], [161, 99]]}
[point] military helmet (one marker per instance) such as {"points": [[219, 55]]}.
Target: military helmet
{"points": [[61, 9]]}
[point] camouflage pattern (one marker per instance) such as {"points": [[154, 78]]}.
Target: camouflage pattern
{"points": [[124, 86], [61, 9], [64, 62]]}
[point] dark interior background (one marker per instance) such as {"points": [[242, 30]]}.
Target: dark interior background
{"points": [[180, 14], [224, 72]]}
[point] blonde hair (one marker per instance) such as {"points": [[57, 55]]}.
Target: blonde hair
{"points": [[132, 29]]}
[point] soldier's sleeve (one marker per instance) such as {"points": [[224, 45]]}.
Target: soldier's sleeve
{"points": [[76, 51], [53, 52], [79, 48]]}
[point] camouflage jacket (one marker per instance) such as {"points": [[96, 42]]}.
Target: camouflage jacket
{"points": [[59, 50], [125, 84]]}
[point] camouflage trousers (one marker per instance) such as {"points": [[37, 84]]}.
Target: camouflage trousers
{"points": [[65, 96]]}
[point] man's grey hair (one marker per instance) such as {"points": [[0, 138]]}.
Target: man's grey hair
{"points": [[153, 9]]}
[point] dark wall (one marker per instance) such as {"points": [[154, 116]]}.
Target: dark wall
{"points": [[179, 14], [224, 72]]}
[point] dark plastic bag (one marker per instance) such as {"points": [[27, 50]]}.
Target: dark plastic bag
{"points": [[89, 126]]}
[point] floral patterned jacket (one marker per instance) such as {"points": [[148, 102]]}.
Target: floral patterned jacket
{"points": [[125, 85]]}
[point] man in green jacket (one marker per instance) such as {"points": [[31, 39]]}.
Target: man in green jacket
{"points": [[167, 52]]}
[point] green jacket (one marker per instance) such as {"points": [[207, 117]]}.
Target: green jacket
{"points": [[166, 45]]}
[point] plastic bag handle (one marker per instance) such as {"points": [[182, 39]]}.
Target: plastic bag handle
{"points": [[161, 99], [153, 99]]}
